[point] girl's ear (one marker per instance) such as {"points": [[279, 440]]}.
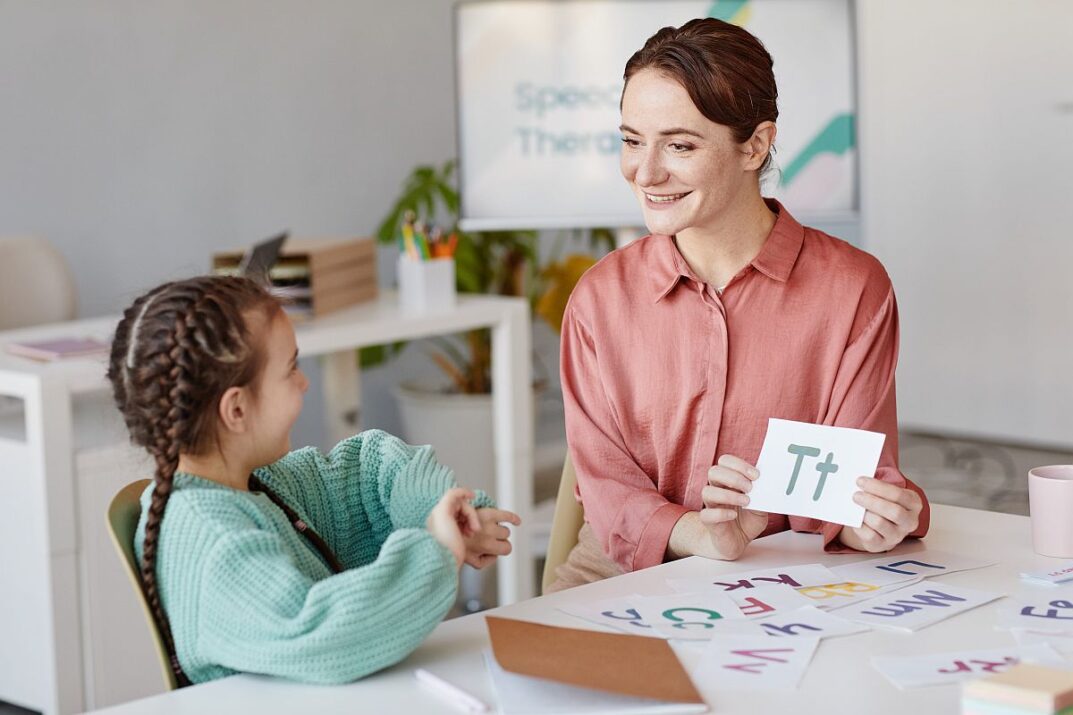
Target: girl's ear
{"points": [[758, 146], [234, 410]]}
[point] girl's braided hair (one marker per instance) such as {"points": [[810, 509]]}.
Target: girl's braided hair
{"points": [[177, 349]]}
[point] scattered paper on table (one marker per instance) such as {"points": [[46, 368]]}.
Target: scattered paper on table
{"points": [[810, 622], [916, 671], [900, 568], [756, 662], [1059, 574], [687, 615], [917, 606], [619, 613], [1050, 610], [1061, 642], [833, 596], [764, 601], [793, 576]]}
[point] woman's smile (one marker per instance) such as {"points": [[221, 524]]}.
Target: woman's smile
{"points": [[663, 201]]}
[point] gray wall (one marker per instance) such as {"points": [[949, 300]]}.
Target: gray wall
{"points": [[139, 137]]}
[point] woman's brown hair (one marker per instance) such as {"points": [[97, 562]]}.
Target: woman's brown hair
{"points": [[177, 349], [725, 69]]}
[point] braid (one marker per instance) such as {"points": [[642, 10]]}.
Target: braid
{"points": [[175, 352]]}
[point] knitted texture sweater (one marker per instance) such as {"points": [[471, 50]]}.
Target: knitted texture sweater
{"points": [[245, 592]]}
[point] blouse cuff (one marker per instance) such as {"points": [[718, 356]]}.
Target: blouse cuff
{"points": [[652, 546]]}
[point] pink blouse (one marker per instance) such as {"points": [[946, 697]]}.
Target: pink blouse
{"points": [[662, 375]]}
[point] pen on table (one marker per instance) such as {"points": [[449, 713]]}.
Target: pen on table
{"points": [[451, 692]]}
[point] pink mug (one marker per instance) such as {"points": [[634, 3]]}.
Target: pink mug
{"points": [[1050, 502]]}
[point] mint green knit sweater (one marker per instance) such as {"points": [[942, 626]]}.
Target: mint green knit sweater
{"points": [[245, 592]]}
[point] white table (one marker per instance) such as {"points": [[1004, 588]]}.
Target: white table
{"points": [[839, 680], [47, 659]]}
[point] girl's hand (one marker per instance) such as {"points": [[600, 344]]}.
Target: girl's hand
{"points": [[492, 539], [891, 514], [729, 524], [452, 520]]}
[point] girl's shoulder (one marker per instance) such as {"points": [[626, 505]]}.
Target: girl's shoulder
{"points": [[199, 506]]}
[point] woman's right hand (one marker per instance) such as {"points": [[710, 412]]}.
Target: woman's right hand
{"points": [[730, 525], [452, 520]]}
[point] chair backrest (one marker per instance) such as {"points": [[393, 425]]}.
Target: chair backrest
{"points": [[35, 284], [123, 515], [565, 525]]}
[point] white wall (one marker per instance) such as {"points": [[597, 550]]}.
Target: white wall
{"points": [[967, 179], [139, 137]]}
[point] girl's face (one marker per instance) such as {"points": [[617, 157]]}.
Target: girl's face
{"points": [[281, 389], [684, 168]]}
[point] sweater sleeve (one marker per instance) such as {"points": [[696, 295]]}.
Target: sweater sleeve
{"points": [[368, 486], [257, 613], [864, 398]]}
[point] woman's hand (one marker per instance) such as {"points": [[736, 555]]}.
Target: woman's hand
{"points": [[452, 520], [492, 539], [729, 524], [891, 514]]}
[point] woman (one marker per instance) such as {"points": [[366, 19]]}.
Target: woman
{"points": [[678, 348]]}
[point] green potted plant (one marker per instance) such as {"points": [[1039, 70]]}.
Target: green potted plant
{"points": [[495, 262]]}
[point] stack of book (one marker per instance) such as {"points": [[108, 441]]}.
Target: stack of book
{"points": [[316, 276], [1025, 689]]}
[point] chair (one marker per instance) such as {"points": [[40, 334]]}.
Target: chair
{"points": [[123, 515], [568, 519], [35, 284]]}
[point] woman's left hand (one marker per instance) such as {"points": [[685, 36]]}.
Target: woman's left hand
{"points": [[492, 540], [891, 513]]}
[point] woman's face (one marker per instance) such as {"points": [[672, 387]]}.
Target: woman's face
{"points": [[684, 168]]}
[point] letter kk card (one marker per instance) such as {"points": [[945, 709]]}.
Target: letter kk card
{"points": [[812, 470]]}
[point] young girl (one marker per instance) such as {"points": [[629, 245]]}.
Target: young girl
{"points": [[322, 569]]}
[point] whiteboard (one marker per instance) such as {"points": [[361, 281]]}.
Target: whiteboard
{"points": [[539, 83]]}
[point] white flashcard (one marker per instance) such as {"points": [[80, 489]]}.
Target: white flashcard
{"points": [[1061, 642], [719, 629], [810, 622], [812, 470], [944, 668], [1051, 577], [917, 606], [755, 663], [833, 596], [792, 576], [619, 613], [906, 567], [1050, 610], [686, 615], [764, 601]]}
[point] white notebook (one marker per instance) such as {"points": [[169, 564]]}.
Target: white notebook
{"points": [[523, 695]]}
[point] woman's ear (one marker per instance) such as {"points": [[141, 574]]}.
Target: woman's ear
{"points": [[758, 146], [234, 410]]}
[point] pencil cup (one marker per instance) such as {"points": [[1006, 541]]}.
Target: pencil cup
{"points": [[1050, 502], [426, 286]]}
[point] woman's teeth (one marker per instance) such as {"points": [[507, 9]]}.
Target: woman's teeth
{"points": [[664, 199]]}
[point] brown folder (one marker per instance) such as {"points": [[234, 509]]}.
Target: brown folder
{"points": [[616, 663]]}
